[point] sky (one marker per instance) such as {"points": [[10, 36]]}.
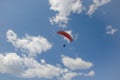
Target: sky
{"points": [[31, 49]]}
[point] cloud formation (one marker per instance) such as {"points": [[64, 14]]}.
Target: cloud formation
{"points": [[69, 76], [27, 67], [64, 8], [75, 64], [31, 44], [96, 3], [91, 73], [11, 63], [110, 30]]}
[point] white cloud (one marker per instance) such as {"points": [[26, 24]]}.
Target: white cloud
{"points": [[76, 36], [69, 76], [11, 63], [45, 70], [42, 61], [91, 73], [31, 44], [64, 8], [110, 30], [27, 67], [75, 64], [96, 3]]}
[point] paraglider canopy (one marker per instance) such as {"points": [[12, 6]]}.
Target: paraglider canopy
{"points": [[65, 34]]}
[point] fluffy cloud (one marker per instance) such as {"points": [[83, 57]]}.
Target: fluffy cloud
{"points": [[31, 44], [110, 30], [64, 8], [96, 4], [11, 63], [28, 67], [41, 70], [25, 67], [75, 64]]}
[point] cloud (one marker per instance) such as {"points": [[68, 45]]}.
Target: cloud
{"points": [[96, 3], [64, 8], [69, 76], [45, 70], [31, 44], [76, 36], [11, 63], [91, 73], [75, 64], [110, 30], [27, 67]]}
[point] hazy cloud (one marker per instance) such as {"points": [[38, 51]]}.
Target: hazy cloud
{"points": [[91, 73], [69, 76], [110, 30], [96, 3]]}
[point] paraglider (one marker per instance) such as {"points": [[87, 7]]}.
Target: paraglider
{"points": [[66, 35], [64, 45]]}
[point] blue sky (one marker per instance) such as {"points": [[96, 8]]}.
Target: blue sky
{"points": [[31, 49]]}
